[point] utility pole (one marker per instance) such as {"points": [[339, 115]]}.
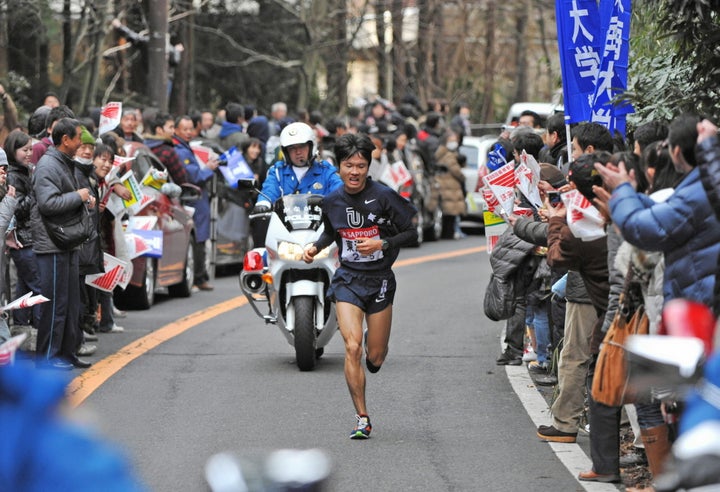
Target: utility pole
{"points": [[157, 55]]}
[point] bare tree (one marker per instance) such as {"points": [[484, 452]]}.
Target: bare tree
{"points": [[3, 39]]}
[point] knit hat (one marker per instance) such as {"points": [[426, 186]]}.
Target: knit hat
{"points": [[3, 158], [552, 175], [86, 137]]}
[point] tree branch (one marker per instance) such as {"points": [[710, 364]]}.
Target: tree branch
{"points": [[254, 55]]}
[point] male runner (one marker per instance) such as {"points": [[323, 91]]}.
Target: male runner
{"points": [[369, 222]]}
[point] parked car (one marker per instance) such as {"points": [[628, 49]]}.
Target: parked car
{"points": [[475, 149], [173, 272]]}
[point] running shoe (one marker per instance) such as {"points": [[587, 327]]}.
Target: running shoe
{"points": [[362, 429]]}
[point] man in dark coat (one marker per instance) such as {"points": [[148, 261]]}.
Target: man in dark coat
{"points": [[57, 198]]}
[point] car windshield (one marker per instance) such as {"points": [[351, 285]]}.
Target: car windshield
{"points": [[472, 156], [300, 211]]}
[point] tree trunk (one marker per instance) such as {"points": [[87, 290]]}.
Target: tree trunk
{"points": [[97, 33], [67, 60], [426, 46], [398, 57], [181, 80], [521, 72], [3, 41], [542, 7], [157, 55], [383, 60], [337, 59], [487, 110]]}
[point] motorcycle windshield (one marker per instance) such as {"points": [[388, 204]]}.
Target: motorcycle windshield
{"points": [[300, 212]]}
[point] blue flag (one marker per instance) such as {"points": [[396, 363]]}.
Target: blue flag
{"points": [[234, 167], [612, 75], [579, 43]]}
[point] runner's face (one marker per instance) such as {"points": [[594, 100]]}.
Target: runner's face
{"points": [[354, 171]]}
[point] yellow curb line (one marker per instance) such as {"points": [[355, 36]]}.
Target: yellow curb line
{"points": [[83, 386]]}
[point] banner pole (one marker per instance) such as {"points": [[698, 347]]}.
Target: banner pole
{"points": [[568, 137]]}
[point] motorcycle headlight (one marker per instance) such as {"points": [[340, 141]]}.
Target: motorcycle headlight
{"points": [[289, 251]]}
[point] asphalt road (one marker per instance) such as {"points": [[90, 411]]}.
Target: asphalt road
{"points": [[445, 417]]}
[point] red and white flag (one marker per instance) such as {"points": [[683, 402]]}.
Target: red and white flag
{"points": [[110, 115], [136, 245], [114, 269], [527, 182], [142, 222], [27, 300], [501, 183], [203, 154], [584, 220], [8, 349]]}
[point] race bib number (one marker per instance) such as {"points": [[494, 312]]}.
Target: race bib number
{"points": [[349, 244]]}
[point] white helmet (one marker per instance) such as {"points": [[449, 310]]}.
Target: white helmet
{"points": [[295, 134]]}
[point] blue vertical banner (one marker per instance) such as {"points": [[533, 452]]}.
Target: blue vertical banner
{"points": [[612, 75], [580, 43]]}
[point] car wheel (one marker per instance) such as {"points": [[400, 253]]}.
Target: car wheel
{"points": [[419, 220], [142, 297], [184, 288]]}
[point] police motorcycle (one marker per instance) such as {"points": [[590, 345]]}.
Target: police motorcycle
{"points": [[682, 365], [283, 289]]}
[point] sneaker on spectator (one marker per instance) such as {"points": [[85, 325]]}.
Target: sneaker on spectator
{"points": [[86, 350], [529, 354], [545, 379], [549, 433], [117, 313], [633, 458], [538, 367], [113, 329], [509, 358]]}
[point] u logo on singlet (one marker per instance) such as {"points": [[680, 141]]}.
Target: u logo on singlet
{"points": [[354, 218]]}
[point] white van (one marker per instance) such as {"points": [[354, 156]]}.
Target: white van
{"points": [[542, 109]]}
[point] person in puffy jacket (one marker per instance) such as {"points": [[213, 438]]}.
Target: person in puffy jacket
{"points": [[684, 227], [18, 147]]}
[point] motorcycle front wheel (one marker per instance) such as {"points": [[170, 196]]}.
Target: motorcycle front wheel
{"points": [[304, 334]]}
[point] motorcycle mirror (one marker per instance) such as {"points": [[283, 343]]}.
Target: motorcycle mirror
{"points": [[246, 184], [682, 318], [655, 361]]}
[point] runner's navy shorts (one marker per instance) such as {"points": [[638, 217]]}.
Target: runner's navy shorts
{"points": [[370, 291]]}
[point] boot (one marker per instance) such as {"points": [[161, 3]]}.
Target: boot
{"points": [[657, 447]]}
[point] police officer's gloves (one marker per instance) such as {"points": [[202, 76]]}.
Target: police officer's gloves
{"points": [[260, 209]]}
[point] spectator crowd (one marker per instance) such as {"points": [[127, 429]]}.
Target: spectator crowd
{"points": [[657, 239]]}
